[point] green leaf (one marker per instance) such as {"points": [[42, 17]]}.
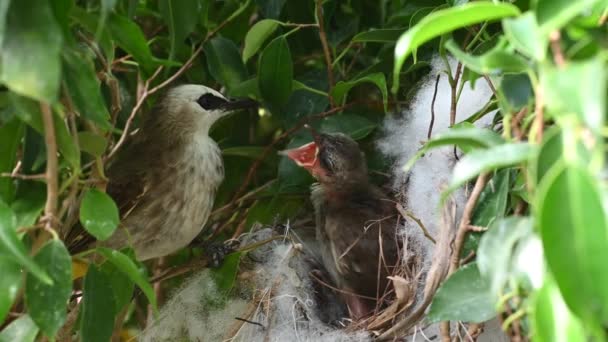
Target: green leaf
{"points": [[29, 203], [554, 14], [92, 143], [579, 88], [129, 37], [83, 87], [224, 62], [11, 134], [551, 152], [275, 73], [12, 247], [47, 303], [466, 137], [10, 282], [342, 88], [128, 267], [247, 89], [492, 203], [122, 285], [4, 5], [464, 296], [573, 223], [98, 307], [181, 17], [523, 32], [29, 112], [271, 8], [30, 51], [496, 157], [356, 126], [552, 321], [257, 35], [225, 275], [378, 36], [445, 21], [99, 214], [496, 248], [23, 329], [494, 62], [517, 90], [91, 23]]}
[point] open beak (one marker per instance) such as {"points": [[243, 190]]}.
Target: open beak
{"points": [[235, 105], [305, 156]]}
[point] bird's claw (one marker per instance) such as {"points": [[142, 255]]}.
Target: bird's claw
{"points": [[216, 251]]}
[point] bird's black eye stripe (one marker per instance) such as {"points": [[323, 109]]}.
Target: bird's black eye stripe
{"points": [[210, 101]]}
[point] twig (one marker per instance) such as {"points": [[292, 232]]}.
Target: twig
{"points": [[454, 86], [256, 164], [22, 176], [245, 197], [250, 322], [326, 52], [539, 121], [490, 84], [558, 55], [405, 213], [428, 135], [337, 289], [463, 228], [52, 185]]}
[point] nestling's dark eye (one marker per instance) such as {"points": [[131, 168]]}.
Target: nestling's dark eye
{"points": [[210, 101]]}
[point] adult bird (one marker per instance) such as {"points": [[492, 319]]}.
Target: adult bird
{"points": [[355, 221], [165, 178]]}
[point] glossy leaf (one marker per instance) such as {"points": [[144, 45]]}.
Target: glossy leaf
{"points": [[517, 90], [492, 203], [577, 88], [4, 5], [496, 61], [464, 296], [130, 38], [47, 304], [122, 285], [181, 17], [442, 22], [31, 50], [342, 88], [83, 86], [257, 35], [553, 14], [479, 161], [356, 126], [23, 329], [573, 223], [275, 74], [98, 307], [523, 32], [29, 203], [551, 152], [378, 36], [128, 267], [225, 275], [12, 247], [224, 62], [496, 249], [29, 112], [92, 143], [99, 214], [465, 137], [552, 320], [11, 134], [271, 8], [10, 282]]}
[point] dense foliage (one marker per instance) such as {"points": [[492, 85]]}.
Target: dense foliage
{"points": [[77, 76]]}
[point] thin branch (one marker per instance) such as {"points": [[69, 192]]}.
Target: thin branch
{"points": [[454, 86], [405, 214], [539, 121], [428, 135], [52, 184], [245, 197], [23, 177], [558, 55], [326, 51], [463, 228]]}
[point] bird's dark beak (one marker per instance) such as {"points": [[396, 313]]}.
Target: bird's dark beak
{"points": [[305, 156], [235, 105]]}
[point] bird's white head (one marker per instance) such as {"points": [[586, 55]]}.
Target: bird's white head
{"points": [[195, 108]]}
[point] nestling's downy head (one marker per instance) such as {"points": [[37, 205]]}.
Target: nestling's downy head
{"points": [[331, 158], [193, 108]]}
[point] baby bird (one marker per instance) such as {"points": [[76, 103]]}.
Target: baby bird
{"points": [[355, 221]]}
